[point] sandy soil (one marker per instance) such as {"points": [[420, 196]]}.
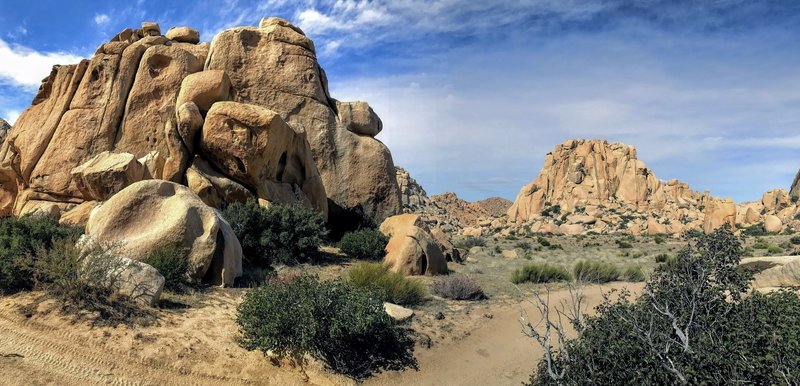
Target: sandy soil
{"points": [[476, 344]]}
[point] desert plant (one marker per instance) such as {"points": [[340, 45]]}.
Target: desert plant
{"points": [[543, 241], [280, 233], [19, 241], [458, 287], [623, 244], [774, 249], [594, 271], [367, 243], [471, 241], [524, 246], [761, 245], [795, 240], [663, 258], [691, 326], [540, 273], [633, 273], [173, 263], [343, 325], [397, 287], [755, 230]]}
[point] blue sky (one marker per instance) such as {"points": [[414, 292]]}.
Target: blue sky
{"points": [[473, 94]]}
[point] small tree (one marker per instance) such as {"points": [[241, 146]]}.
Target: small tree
{"points": [[368, 244]]}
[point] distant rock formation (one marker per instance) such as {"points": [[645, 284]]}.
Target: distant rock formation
{"points": [[248, 115], [794, 190], [4, 127], [412, 194], [495, 206]]}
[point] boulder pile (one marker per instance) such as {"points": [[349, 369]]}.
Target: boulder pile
{"points": [[248, 115]]}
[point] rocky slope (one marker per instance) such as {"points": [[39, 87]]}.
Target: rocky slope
{"points": [[593, 185], [248, 115]]}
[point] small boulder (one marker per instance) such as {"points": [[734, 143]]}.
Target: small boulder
{"points": [[772, 224], [411, 249], [358, 117], [183, 35], [151, 29], [205, 88], [399, 313], [106, 174], [451, 253]]}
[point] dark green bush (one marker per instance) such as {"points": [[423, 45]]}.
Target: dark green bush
{"points": [[594, 271], [471, 241], [396, 287], [458, 287], [172, 263], [342, 325], [795, 240], [368, 244], [663, 258], [540, 273], [755, 230], [623, 244], [278, 234], [524, 246], [543, 241], [19, 241], [692, 326]]}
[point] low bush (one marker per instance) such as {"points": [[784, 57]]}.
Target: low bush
{"points": [[396, 287], [540, 273], [660, 239], [774, 249], [663, 258], [594, 271], [755, 230], [458, 287], [278, 234], [623, 244], [543, 241], [795, 240], [524, 246], [344, 326], [368, 244], [471, 241], [19, 241], [172, 263], [633, 274]]}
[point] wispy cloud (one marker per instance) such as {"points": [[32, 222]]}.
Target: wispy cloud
{"points": [[101, 19]]}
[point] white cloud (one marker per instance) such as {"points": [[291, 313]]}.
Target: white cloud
{"points": [[25, 67], [11, 116], [101, 19]]}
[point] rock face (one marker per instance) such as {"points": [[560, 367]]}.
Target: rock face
{"points": [[772, 272], [412, 194], [283, 75], [794, 190], [412, 250], [154, 214], [253, 109], [495, 206], [4, 127]]}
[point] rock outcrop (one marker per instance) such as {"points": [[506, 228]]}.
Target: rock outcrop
{"points": [[4, 127], [794, 189], [252, 110], [412, 250], [412, 194], [773, 272], [154, 214]]}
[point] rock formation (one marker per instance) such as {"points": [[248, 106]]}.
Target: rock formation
{"points": [[495, 206], [412, 250], [794, 190], [154, 214], [248, 115], [412, 194], [4, 127]]}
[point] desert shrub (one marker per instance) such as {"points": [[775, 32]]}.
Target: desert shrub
{"points": [[171, 262], [623, 244], [774, 249], [19, 241], [755, 230], [691, 326], [471, 241], [543, 241], [761, 245], [594, 271], [633, 273], [86, 280], [458, 287], [278, 234], [795, 240], [367, 243], [659, 239], [663, 258], [344, 326], [523, 246], [540, 273], [551, 211], [396, 287], [637, 254]]}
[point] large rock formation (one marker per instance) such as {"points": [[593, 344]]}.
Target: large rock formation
{"points": [[412, 250], [604, 187], [155, 214], [249, 112]]}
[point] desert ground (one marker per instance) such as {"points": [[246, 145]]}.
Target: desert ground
{"points": [[193, 339]]}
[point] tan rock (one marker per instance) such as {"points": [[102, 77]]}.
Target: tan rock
{"points": [[151, 29], [398, 313], [284, 76], [772, 224], [654, 227], [204, 89], [774, 271], [255, 146], [451, 253], [509, 254], [570, 229], [775, 200], [154, 214], [79, 215], [717, 213], [106, 174], [212, 187], [395, 224], [411, 249], [472, 232], [183, 35], [751, 216], [358, 117]]}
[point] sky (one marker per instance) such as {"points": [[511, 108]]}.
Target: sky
{"points": [[473, 94]]}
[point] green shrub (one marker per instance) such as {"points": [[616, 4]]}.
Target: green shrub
{"points": [[540, 273], [623, 244], [755, 230], [551, 211], [761, 245], [795, 240], [543, 241], [344, 326], [594, 271], [663, 258], [172, 263], [278, 234], [524, 246], [368, 244], [774, 249], [397, 287], [458, 287], [19, 241], [471, 241], [729, 338], [659, 239], [633, 274]]}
